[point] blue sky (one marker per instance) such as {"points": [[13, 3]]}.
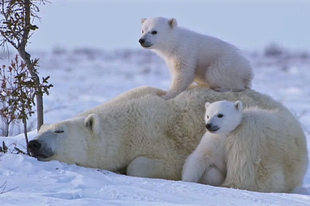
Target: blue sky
{"points": [[116, 24]]}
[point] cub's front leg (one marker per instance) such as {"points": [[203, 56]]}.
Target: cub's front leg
{"points": [[206, 164], [193, 168], [183, 74]]}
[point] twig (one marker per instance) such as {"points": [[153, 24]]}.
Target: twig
{"points": [[3, 186], [19, 151]]}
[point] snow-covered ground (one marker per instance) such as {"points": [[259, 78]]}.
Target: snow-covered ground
{"points": [[84, 78]]}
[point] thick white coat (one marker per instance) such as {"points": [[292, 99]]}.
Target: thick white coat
{"points": [[254, 149], [193, 57], [207, 163], [140, 134]]}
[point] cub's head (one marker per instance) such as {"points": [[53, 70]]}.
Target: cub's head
{"points": [[156, 32], [223, 116], [68, 141]]}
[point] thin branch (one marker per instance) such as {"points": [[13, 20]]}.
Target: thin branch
{"points": [[6, 39], [3, 186], [22, 46], [19, 151], [27, 26]]}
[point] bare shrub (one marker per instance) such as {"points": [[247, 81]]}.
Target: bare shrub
{"points": [[16, 28], [19, 89]]}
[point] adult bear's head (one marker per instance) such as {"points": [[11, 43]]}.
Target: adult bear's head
{"points": [[67, 141]]}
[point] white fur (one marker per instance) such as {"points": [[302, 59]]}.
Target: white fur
{"points": [[193, 57], [207, 163], [254, 149], [223, 116], [140, 134]]}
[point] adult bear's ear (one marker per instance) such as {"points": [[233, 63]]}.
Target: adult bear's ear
{"points": [[43, 126], [143, 20], [92, 122], [238, 105], [207, 104], [173, 22]]}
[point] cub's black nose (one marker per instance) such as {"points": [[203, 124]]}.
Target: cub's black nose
{"points": [[141, 41], [208, 126], [34, 146]]}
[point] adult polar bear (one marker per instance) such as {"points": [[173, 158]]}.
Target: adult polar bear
{"points": [[143, 135], [191, 57]]}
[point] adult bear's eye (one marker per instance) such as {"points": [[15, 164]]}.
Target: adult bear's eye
{"points": [[142, 31], [220, 115], [59, 131], [207, 116], [154, 32]]}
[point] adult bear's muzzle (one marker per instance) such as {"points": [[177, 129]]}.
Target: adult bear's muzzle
{"points": [[38, 151]]}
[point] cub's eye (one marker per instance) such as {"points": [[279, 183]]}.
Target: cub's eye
{"points": [[59, 131], [154, 32], [220, 115], [142, 31], [207, 116]]}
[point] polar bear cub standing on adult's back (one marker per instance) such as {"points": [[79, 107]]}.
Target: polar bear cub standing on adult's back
{"points": [[207, 163], [191, 57], [259, 153]]}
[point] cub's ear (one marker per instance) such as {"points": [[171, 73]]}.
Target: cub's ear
{"points": [[92, 122], [143, 20], [173, 22], [207, 104], [238, 105]]}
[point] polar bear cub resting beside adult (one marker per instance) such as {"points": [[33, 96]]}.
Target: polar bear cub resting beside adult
{"points": [[246, 149], [207, 163], [193, 57]]}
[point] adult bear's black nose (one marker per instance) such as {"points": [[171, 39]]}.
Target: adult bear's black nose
{"points": [[141, 41], [34, 146]]}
